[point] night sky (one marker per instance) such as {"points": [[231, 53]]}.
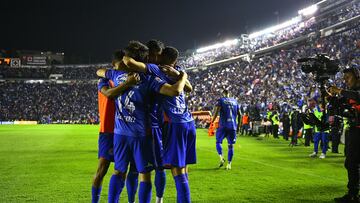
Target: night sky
{"points": [[92, 29]]}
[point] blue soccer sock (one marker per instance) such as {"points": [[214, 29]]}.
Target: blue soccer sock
{"points": [[219, 148], [182, 188], [160, 181], [95, 192], [230, 153], [131, 185], [115, 187], [145, 192]]}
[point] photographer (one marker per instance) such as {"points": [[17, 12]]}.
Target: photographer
{"points": [[352, 140]]}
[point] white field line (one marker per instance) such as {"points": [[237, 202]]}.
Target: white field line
{"points": [[333, 179]]}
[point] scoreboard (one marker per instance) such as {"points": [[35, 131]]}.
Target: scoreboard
{"points": [[12, 62]]}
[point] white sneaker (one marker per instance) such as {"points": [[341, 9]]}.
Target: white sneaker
{"points": [[159, 200], [313, 154], [228, 167], [322, 156], [222, 161]]}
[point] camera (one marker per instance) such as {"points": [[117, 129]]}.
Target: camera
{"points": [[340, 107], [321, 64]]}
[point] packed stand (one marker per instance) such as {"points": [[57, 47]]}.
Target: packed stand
{"points": [[68, 73], [49, 102], [274, 79], [297, 30]]}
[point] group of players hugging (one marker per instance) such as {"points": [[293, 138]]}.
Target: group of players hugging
{"points": [[145, 124]]}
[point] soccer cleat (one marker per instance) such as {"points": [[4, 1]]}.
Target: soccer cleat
{"points": [[313, 154], [347, 199], [322, 156], [228, 167], [221, 163]]}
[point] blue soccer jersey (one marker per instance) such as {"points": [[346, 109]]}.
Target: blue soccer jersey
{"points": [[135, 104], [174, 107], [229, 108]]}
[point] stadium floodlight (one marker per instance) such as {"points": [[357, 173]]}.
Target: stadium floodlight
{"points": [[276, 27], [218, 45], [308, 11]]}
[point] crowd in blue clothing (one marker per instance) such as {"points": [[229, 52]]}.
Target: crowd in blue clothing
{"points": [[275, 79]]}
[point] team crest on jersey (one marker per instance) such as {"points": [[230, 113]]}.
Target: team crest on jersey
{"points": [[121, 78]]}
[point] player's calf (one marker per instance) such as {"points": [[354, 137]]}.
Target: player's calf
{"points": [[182, 184], [132, 183], [160, 181], [145, 188], [101, 172], [117, 182], [98, 178]]}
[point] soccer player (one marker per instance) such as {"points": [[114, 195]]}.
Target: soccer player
{"points": [[106, 107], [179, 147], [132, 140], [229, 110], [155, 49]]}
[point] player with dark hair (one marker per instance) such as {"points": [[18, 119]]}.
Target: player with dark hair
{"points": [[132, 138], [229, 110], [155, 49], [179, 148], [106, 105]]}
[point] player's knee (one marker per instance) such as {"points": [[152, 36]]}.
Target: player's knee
{"points": [[230, 146], [145, 177], [103, 167], [178, 171], [119, 173]]}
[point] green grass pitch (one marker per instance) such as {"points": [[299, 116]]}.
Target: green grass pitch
{"points": [[56, 163]]}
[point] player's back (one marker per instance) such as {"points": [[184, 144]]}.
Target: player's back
{"points": [[175, 108], [228, 111]]}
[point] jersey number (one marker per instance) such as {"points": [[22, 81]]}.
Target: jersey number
{"points": [[128, 105]]}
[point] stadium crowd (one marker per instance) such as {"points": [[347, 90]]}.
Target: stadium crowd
{"points": [[273, 79], [299, 29], [68, 72], [49, 102]]}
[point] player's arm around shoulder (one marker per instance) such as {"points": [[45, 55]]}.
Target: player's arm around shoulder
{"points": [[175, 89], [101, 72], [172, 72], [131, 80], [134, 65]]}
